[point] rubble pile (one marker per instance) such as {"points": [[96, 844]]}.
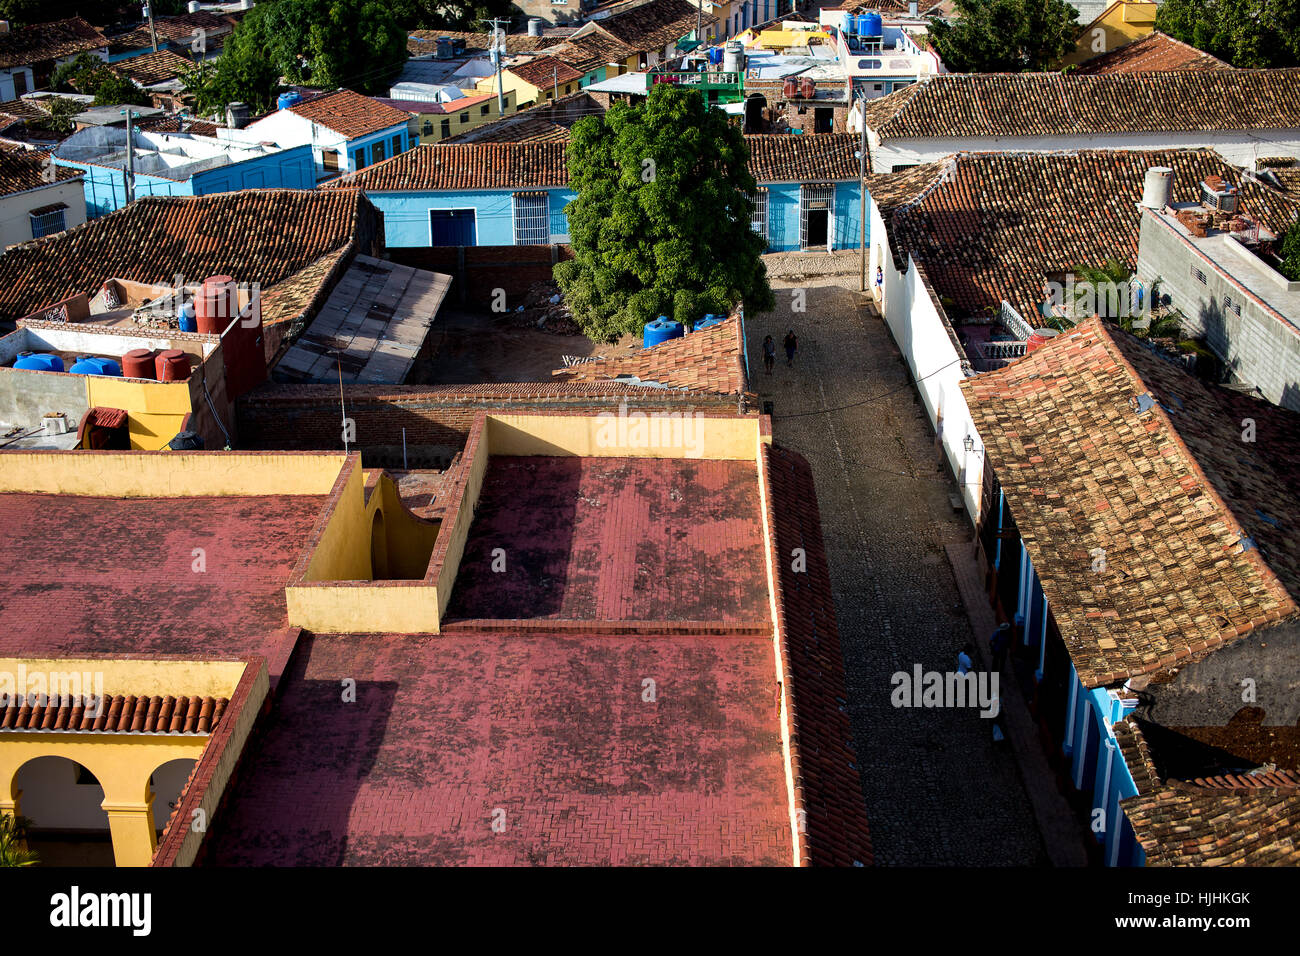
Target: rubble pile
{"points": [[543, 308]]}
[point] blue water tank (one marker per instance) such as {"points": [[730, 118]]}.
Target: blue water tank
{"points": [[845, 23], [870, 25], [661, 330], [92, 365], [286, 100], [39, 362], [186, 318], [715, 55], [709, 321]]}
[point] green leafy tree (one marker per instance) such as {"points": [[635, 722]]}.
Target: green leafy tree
{"points": [[13, 841], [87, 74], [661, 222], [1290, 253], [61, 110], [1246, 33], [358, 44], [1005, 36], [443, 15]]}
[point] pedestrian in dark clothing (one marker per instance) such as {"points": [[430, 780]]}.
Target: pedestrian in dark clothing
{"points": [[769, 354], [1000, 643], [791, 346]]}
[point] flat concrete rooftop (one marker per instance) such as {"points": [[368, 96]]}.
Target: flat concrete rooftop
{"points": [[87, 575], [615, 539], [548, 735]]}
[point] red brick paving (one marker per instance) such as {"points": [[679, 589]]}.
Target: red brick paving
{"points": [[82, 575], [551, 729], [615, 539]]}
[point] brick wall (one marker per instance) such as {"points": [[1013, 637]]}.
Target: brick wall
{"points": [[477, 271], [437, 421]]}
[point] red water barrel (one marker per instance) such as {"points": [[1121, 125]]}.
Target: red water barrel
{"points": [[790, 89], [215, 304], [173, 365], [1040, 338], [808, 87], [138, 363]]}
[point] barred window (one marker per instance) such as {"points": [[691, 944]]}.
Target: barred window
{"points": [[1230, 306], [1198, 275], [48, 220], [758, 220], [532, 219]]}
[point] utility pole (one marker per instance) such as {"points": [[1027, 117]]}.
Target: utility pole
{"points": [[128, 185], [497, 52], [153, 34]]}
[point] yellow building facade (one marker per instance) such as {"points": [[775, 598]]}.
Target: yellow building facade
{"points": [[1118, 25]]}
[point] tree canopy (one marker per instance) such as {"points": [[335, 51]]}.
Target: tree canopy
{"points": [[88, 74], [1289, 253], [1246, 33], [661, 222], [358, 44], [449, 14], [1005, 36]]}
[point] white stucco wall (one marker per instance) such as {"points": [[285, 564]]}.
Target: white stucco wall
{"points": [[16, 224], [917, 323]]}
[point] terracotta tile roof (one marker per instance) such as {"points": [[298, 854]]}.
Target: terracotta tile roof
{"points": [[827, 784], [424, 42], [176, 29], [783, 158], [532, 129], [49, 41], [990, 226], [174, 124], [591, 51], [1136, 752], [116, 714], [1156, 52], [710, 360], [1282, 174], [530, 164], [1179, 826], [151, 68], [350, 114], [24, 169], [1038, 104], [648, 25], [264, 236], [544, 71], [23, 110], [464, 166], [1198, 529]]}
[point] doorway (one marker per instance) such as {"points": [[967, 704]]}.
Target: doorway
{"points": [[451, 227], [815, 216]]}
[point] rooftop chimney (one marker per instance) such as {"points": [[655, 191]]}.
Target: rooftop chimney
{"points": [[1158, 188]]}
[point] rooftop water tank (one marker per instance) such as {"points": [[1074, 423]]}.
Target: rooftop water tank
{"points": [[790, 88], [845, 22], [534, 26], [709, 321], [870, 25], [807, 88], [39, 362], [715, 55], [733, 57], [215, 304], [661, 330], [1158, 187], [172, 365], [285, 100], [138, 363], [93, 365], [185, 318]]}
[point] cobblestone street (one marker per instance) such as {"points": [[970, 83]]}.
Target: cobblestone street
{"points": [[937, 791]]}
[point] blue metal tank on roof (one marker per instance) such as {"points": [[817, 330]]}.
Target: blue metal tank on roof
{"points": [[39, 362], [186, 318], [661, 330], [709, 321], [846, 23], [93, 365], [870, 25], [715, 55], [285, 100]]}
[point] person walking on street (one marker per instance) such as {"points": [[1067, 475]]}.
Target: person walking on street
{"points": [[791, 346], [769, 354], [1000, 643]]}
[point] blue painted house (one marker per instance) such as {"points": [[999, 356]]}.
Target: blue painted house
{"points": [[177, 164], [1131, 537], [501, 194], [345, 130]]}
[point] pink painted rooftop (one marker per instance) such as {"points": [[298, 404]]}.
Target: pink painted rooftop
{"points": [[86, 575], [552, 729]]}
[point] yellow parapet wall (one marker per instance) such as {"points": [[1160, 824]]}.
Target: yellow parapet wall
{"points": [[368, 607], [155, 410], [145, 474], [625, 434], [120, 676]]}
